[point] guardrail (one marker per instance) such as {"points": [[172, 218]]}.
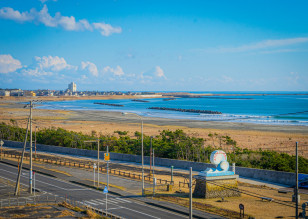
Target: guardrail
{"points": [[86, 165]]}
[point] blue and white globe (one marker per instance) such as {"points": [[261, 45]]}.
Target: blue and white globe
{"points": [[218, 156]]}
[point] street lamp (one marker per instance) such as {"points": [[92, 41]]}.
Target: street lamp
{"points": [[141, 147]]}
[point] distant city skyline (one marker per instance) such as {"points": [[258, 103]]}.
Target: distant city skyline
{"points": [[154, 45]]}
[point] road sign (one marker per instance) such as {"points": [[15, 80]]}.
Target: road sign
{"points": [[105, 190], [106, 156], [94, 166], [1, 142]]}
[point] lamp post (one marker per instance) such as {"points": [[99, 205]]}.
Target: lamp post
{"points": [[141, 148]]}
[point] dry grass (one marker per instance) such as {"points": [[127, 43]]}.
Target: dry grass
{"points": [[268, 139], [66, 213]]}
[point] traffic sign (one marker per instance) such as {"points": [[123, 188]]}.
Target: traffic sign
{"points": [[1, 142], [94, 166], [106, 156], [105, 190]]}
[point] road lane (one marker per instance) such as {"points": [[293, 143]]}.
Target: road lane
{"points": [[125, 207]]}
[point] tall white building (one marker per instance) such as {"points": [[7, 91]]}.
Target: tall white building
{"points": [[72, 87]]}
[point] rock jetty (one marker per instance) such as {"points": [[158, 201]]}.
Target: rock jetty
{"points": [[109, 104], [143, 101], [186, 110], [168, 99]]}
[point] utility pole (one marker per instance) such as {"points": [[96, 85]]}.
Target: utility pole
{"points": [[35, 142], [97, 163], [30, 175], [141, 148], [151, 156], [97, 158], [172, 174], [153, 161], [108, 167], [142, 157], [1, 143], [190, 193], [21, 161], [296, 188], [154, 179]]}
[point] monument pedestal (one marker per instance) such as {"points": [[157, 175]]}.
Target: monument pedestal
{"points": [[216, 186]]}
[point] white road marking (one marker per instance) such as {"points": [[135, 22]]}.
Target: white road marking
{"points": [[122, 199], [92, 200], [140, 212], [112, 201], [114, 208], [135, 202], [47, 183], [91, 203], [12, 180]]}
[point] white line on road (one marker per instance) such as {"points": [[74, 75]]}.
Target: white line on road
{"points": [[140, 212], [135, 201], [91, 203], [45, 182], [114, 208], [123, 200]]}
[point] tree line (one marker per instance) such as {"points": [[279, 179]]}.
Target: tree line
{"points": [[167, 144]]}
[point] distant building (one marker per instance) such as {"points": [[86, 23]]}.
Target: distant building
{"points": [[72, 87], [5, 93], [29, 93]]}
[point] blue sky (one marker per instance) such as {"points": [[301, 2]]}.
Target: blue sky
{"points": [[154, 45]]}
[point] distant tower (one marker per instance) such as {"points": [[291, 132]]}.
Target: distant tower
{"points": [[72, 87]]}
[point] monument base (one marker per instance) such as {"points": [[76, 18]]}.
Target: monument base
{"points": [[216, 186]]}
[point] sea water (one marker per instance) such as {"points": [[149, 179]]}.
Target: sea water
{"points": [[278, 109]]}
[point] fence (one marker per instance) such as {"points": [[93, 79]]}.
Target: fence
{"points": [[280, 177], [80, 164], [52, 199]]}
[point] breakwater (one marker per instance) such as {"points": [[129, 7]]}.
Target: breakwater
{"points": [[109, 104], [143, 101], [168, 99], [186, 110]]}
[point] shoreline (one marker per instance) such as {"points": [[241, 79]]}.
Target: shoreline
{"points": [[247, 135], [117, 117], [156, 95]]}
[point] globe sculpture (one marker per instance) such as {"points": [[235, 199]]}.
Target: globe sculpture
{"points": [[219, 159]]}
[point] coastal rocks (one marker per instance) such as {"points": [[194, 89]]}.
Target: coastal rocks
{"points": [[142, 101], [186, 110], [168, 99], [109, 104]]}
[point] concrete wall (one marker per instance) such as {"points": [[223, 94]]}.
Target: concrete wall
{"points": [[266, 175]]}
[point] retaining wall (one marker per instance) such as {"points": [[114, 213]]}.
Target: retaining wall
{"points": [[266, 175]]}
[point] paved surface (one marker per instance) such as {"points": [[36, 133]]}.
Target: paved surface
{"points": [[124, 206], [163, 168]]}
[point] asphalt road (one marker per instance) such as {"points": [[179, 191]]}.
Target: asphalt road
{"points": [[122, 206]]}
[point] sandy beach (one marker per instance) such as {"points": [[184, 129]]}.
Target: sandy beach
{"points": [[247, 135]]}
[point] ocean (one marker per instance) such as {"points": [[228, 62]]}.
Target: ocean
{"points": [[261, 108]]}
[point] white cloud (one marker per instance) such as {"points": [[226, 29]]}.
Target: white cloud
{"points": [[8, 64], [106, 29], [159, 72], [65, 22], [91, 67], [11, 14], [47, 65], [43, 1], [54, 63], [265, 44], [118, 71]]}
